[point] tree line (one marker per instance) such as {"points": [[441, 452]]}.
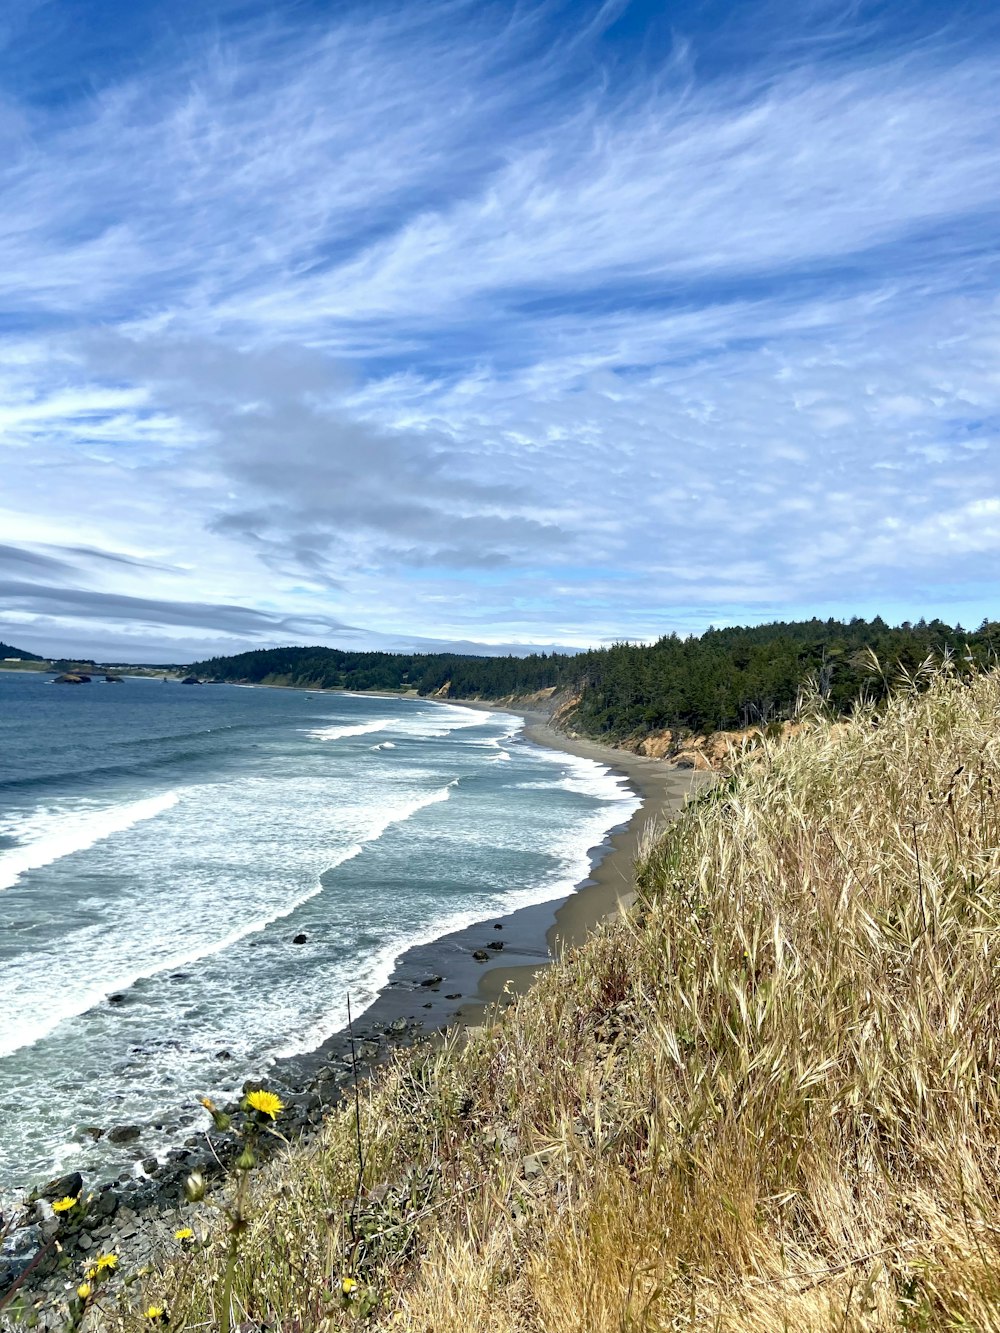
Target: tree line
{"points": [[723, 679]]}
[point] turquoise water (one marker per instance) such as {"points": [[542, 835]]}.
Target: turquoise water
{"points": [[164, 844]]}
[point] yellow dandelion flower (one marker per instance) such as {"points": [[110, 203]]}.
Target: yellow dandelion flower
{"points": [[65, 1204], [154, 1313], [106, 1262], [208, 1104], [348, 1286], [91, 1273], [267, 1103], [84, 1290], [184, 1234]]}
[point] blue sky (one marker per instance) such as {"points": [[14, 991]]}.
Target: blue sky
{"points": [[455, 323]]}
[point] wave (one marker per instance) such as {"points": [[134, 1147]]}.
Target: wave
{"points": [[72, 1003], [48, 834], [573, 852], [385, 745], [337, 733]]}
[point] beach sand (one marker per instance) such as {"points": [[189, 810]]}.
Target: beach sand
{"points": [[663, 791]]}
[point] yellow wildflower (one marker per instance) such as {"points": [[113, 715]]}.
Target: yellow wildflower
{"points": [[184, 1234], [348, 1286], [208, 1104], [106, 1262], [155, 1313], [65, 1204], [84, 1290], [267, 1103]]}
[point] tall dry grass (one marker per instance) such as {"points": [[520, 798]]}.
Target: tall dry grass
{"points": [[769, 1099]]}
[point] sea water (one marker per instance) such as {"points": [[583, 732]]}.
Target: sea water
{"points": [[161, 845]]}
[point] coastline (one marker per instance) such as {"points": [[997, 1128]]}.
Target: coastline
{"points": [[435, 989], [662, 791]]}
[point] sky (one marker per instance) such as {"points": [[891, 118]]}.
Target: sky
{"points": [[481, 326]]}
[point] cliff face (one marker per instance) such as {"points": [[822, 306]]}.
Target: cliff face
{"points": [[708, 753]]}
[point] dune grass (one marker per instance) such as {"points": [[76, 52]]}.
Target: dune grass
{"points": [[768, 1099]]}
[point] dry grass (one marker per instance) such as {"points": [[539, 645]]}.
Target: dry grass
{"points": [[768, 1100]]}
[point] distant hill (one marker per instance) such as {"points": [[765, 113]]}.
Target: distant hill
{"points": [[7, 651], [726, 678]]}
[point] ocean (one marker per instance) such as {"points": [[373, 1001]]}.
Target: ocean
{"points": [[162, 845]]}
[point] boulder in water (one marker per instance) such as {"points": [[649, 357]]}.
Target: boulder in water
{"points": [[124, 1133]]}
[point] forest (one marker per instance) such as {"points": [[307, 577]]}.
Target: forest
{"points": [[722, 679]]}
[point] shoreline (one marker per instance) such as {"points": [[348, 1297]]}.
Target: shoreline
{"points": [[434, 989], [662, 791], [438, 987]]}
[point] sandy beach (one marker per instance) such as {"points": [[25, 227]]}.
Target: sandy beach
{"points": [[663, 791]]}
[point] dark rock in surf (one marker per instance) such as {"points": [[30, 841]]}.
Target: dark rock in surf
{"points": [[300, 938], [124, 1133], [117, 998], [495, 945], [498, 926], [480, 955], [71, 678], [63, 1187], [432, 981], [190, 680]]}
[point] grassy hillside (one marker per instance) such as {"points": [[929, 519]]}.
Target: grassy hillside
{"points": [[769, 1099]]}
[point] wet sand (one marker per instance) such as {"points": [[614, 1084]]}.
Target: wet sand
{"points": [[663, 791]]}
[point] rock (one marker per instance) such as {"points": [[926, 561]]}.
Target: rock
{"points": [[17, 1251], [72, 678], [495, 945], [124, 1133], [223, 1055], [432, 981], [455, 995], [429, 1004], [105, 1205], [498, 926], [300, 938], [117, 998], [480, 955], [48, 1223], [398, 1025], [94, 1132], [63, 1187], [536, 1163], [190, 680], [150, 1165], [113, 680]]}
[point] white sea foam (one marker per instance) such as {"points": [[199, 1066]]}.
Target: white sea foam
{"points": [[52, 832], [385, 745], [571, 850], [337, 733], [34, 1011]]}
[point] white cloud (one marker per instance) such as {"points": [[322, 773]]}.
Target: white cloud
{"points": [[352, 323]]}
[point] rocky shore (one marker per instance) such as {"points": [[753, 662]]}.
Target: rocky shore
{"points": [[44, 1250]]}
